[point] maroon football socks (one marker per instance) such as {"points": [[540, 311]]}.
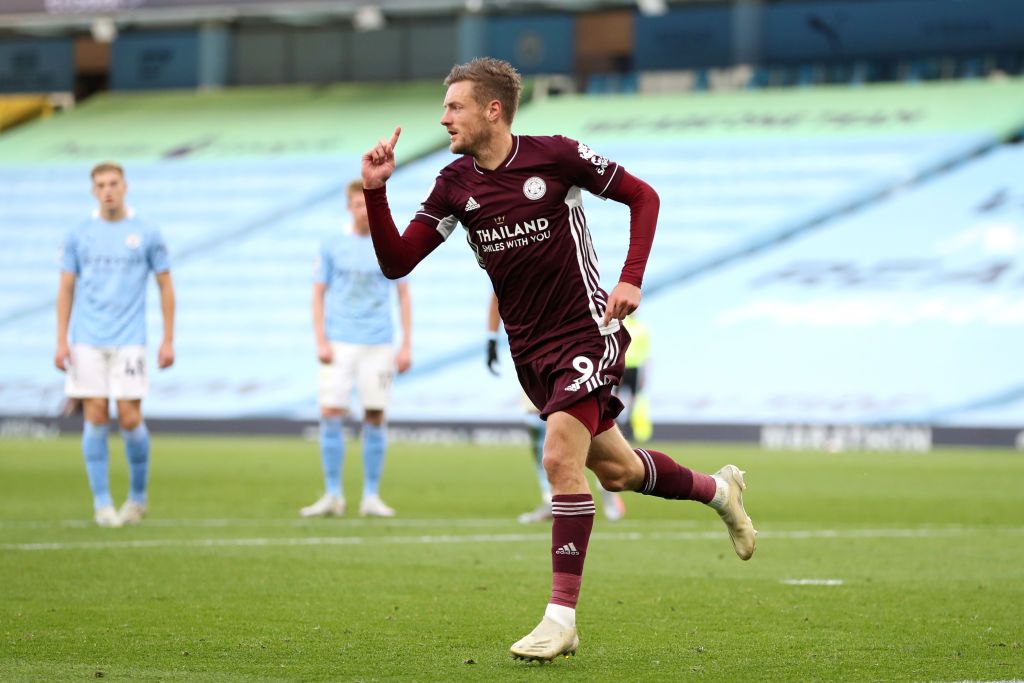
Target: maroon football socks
{"points": [[665, 478], [572, 521]]}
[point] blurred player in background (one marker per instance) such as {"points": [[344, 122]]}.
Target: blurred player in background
{"points": [[635, 418], [105, 264], [612, 503], [354, 343], [519, 199]]}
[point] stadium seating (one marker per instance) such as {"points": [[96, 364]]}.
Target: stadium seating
{"points": [[907, 311], [230, 186], [738, 174]]}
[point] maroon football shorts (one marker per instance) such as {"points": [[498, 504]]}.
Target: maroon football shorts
{"points": [[575, 369]]}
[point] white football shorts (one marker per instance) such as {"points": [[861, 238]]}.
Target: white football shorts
{"points": [[369, 368], [527, 404], [117, 372]]}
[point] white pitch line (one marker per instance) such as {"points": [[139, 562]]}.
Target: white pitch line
{"points": [[442, 539], [812, 582]]}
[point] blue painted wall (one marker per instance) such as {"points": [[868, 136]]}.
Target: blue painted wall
{"points": [[45, 65], [683, 39], [155, 60]]}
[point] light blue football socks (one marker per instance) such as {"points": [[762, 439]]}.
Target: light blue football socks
{"points": [[136, 448], [97, 456], [332, 454], [375, 442]]}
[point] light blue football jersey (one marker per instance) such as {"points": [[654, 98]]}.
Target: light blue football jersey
{"points": [[357, 309], [112, 262]]}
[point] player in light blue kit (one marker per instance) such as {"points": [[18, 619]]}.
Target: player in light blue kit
{"points": [[354, 345], [105, 264]]}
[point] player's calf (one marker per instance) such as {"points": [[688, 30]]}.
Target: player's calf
{"points": [[665, 478]]}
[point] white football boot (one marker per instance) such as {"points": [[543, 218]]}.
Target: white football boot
{"points": [[549, 640], [728, 502], [542, 513], [107, 517], [327, 506], [132, 512], [373, 506]]}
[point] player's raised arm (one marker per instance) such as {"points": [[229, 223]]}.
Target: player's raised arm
{"points": [[379, 162], [397, 253]]}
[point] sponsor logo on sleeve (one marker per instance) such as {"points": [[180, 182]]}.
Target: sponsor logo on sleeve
{"points": [[599, 162]]}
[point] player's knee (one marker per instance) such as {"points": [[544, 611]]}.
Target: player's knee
{"points": [[129, 421], [374, 417], [556, 466], [332, 413], [96, 412]]}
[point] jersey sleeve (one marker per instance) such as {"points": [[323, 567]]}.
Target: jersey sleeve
{"points": [[156, 253], [322, 266], [436, 210], [69, 255], [586, 168]]}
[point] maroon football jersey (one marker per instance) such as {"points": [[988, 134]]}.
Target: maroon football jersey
{"points": [[525, 223]]}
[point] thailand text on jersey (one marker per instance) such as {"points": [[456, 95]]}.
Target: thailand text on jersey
{"points": [[525, 223]]}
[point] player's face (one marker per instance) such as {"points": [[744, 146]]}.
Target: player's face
{"points": [[109, 189], [464, 119], [357, 207]]}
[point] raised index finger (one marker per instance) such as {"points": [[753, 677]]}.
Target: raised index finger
{"points": [[394, 138]]}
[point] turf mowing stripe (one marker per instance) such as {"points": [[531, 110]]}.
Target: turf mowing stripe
{"points": [[349, 522], [501, 538]]}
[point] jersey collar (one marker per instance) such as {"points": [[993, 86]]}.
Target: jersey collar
{"points": [[508, 160], [129, 212]]}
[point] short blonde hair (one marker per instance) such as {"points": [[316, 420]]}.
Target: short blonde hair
{"points": [[105, 166], [493, 79], [355, 187]]}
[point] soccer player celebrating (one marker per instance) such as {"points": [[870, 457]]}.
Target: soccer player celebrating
{"points": [[104, 267], [354, 348], [614, 507], [519, 199]]}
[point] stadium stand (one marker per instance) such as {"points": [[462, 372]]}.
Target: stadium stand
{"points": [[230, 188], [245, 192], [908, 311], [736, 175]]}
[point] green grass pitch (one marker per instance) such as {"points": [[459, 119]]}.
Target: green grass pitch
{"points": [[924, 554]]}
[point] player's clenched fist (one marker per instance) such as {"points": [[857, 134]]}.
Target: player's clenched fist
{"points": [[379, 162]]}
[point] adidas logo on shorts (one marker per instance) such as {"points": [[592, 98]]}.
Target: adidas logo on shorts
{"points": [[567, 549]]}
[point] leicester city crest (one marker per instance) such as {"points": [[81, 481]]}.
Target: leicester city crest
{"points": [[534, 188]]}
